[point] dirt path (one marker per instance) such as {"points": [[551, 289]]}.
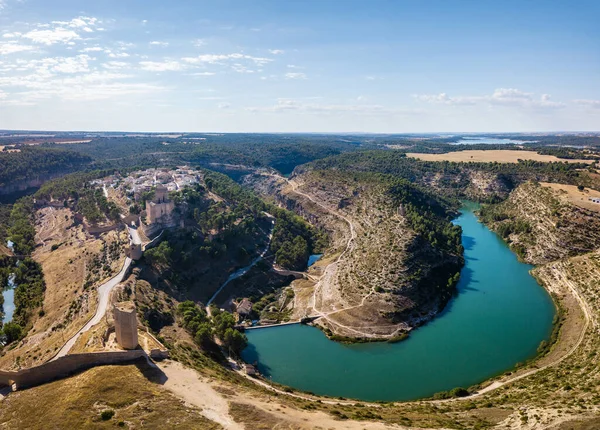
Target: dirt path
{"points": [[332, 267], [588, 317], [188, 385]]}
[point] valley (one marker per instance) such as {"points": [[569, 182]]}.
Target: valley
{"points": [[401, 278]]}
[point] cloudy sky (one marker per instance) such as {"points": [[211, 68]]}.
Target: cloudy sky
{"points": [[312, 65]]}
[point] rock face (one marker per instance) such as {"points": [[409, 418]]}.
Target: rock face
{"points": [[26, 184], [474, 184], [541, 227], [383, 278]]}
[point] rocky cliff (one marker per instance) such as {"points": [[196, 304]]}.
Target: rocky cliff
{"points": [[541, 226], [380, 278]]}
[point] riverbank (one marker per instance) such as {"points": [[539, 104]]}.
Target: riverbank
{"points": [[479, 335]]}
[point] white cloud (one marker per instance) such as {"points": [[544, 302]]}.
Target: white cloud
{"points": [[50, 37], [93, 49], [276, 51], [295, 75], [203, 74], [12, 47], [500, 97], [199, 42], [11, 35], [588, 103], [224, 105], [84, 87], [164, 66], [158, 43], [78, 64], [79, 22], [117, 54], [288, 105], [221, 58], [239, 68], [115, 65]]}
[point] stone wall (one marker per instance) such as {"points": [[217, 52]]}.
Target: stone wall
{"points": [[66, 366]]}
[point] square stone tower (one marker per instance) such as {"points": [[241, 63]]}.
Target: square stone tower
{"points": [[126, 325]]}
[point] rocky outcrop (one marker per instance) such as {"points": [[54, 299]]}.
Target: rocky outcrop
{"points": [[541, 227], [383, 278], [23, 185]]}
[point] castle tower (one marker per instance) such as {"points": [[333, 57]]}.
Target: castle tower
{"points": [[159, 210], [134, 251], [161, 194], [126, 325]]}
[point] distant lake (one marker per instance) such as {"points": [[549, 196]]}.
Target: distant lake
{"points": [[498, 319], [488, 141]]}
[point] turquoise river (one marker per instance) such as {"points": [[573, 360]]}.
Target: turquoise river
{"points": [[498, 318]]}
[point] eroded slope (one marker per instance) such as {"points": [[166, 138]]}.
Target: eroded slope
{"points": [[392, 256]]}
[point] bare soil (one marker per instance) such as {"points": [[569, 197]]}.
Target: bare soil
{"points": [[500, 156]]}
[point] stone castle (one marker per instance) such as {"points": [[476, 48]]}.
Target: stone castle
{"points": [[160, 209], [159, 212]]}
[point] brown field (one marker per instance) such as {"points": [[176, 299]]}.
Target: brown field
{"points": [[576, 197], [500, 156], [65, 270]]}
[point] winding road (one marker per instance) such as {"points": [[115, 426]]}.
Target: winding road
{"points": [[243, 270], [104, 291]]}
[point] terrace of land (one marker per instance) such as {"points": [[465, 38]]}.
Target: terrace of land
{"points": [[499, 156]]}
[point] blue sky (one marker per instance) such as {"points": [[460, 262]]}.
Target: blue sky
{"points": [[300, 66]]}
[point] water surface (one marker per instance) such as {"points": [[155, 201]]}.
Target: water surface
{"points": [[498, 319], [489, 141], [313, 259], [8, 293]]}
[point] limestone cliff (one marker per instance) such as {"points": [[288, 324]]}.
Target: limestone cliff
{"points": [[541, 226]]}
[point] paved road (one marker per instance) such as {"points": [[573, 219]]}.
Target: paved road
{"points": [[103, 300], [104, 291], [135, 236]]}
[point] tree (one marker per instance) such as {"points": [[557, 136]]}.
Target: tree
{"points": [[204, 335], [12, 332], [222, 322], [235, 341]]}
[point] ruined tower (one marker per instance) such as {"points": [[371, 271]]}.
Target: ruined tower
{"points": [[126, 325]]}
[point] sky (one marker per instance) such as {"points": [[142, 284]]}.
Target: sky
{"points": [[300, 66]]}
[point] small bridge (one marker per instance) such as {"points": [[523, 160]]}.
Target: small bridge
{"points": [[305, 320]]}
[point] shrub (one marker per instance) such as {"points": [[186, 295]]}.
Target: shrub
{"points": [[107, 414]]}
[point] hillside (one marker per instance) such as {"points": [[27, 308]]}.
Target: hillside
{"points": [[473, 180], [542, 226], [393, 259], [30, 167]]}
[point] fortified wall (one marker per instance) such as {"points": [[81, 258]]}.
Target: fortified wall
{"points": [[65, 366]]}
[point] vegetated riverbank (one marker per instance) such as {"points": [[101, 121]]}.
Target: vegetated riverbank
{"points": [[479, 335]]}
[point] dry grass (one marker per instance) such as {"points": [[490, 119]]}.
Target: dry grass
{"points": [[77, 402], [66, 303], [500, 156], [572, 194]]}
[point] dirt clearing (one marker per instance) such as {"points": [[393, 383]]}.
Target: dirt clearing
{"points": [[500, 156], [576, 197]]}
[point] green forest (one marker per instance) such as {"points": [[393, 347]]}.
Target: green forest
{"points": [[36, 162]]}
